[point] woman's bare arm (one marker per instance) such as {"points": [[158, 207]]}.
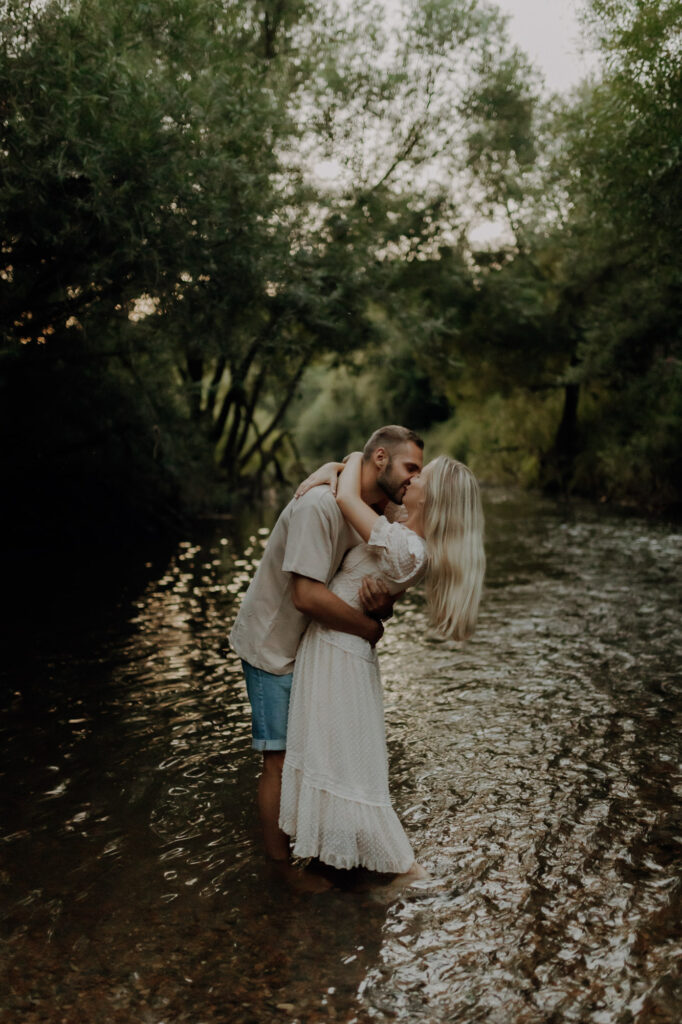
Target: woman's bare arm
{"points": [[326, 474], [348, 496]]}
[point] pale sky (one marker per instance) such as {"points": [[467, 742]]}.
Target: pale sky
{"points": [[549, 32]]}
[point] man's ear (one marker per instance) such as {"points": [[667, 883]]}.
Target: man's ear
{"points": [[380, 457]]}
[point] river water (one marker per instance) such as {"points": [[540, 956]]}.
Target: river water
{"points": [[537, 769]]}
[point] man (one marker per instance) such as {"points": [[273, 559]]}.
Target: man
{"points": [[290, 588]]}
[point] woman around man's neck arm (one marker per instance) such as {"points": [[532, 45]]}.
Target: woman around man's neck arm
{"points": [[348, 495]]}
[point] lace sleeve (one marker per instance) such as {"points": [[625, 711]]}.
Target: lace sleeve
{"points": [[402, 553]]}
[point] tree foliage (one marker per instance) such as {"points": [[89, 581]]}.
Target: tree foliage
{"points": [[163, 225], [622, 241], [209, 207], [584, 298]]}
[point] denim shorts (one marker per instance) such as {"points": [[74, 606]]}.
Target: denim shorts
{"points": [[269, 697]]}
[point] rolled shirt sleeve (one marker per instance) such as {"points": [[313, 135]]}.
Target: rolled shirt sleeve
{"points": [[314, 526]]}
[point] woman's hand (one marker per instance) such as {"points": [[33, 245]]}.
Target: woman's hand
{"points": [[376, 598], [327, 474]]}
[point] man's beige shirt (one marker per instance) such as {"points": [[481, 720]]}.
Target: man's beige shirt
{"points": [[310, 538]]}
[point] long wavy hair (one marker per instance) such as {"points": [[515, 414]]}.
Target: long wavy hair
{"points": [[453, 530]]}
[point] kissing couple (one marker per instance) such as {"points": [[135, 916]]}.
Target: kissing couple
{"points": [[355, 536]]}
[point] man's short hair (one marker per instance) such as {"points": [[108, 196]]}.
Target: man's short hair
{"points": [[390, 438]]}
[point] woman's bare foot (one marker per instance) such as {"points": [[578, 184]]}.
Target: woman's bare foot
{"points": [[417, 873]]}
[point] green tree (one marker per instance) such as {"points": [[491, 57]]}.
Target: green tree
{"points": [[623, 262], [164, 234], [585, 297]]}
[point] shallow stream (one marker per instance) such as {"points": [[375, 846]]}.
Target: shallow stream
{"points": [[538, 771]]}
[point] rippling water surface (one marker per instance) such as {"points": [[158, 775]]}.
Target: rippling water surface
{"points": [[538, 771]]}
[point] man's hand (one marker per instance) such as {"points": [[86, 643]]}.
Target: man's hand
{"points": [[375, 597], [375, 632]]}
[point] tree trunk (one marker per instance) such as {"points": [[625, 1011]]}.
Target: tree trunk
{"points": [[257, 445], [195, 373], [559, 461]]}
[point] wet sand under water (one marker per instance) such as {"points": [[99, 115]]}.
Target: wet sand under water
{"points": [[538, 771]]}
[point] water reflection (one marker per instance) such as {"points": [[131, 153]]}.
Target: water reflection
{"points": [[538, 770]]}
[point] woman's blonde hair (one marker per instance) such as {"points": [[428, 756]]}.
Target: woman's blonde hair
{"points": [[453, 530]]}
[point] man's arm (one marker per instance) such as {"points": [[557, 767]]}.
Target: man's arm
{"points": [[313, 599]]}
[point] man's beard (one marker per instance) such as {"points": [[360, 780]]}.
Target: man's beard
{"points": [[391, 487]]}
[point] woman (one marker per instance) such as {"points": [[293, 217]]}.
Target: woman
{"points": [[335, 798]]}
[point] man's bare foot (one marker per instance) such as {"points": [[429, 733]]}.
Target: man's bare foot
{"points": [[299, 879]]}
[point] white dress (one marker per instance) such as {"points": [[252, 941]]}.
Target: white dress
{"points": [[335, 799]]}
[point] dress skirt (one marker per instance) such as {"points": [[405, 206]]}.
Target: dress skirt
{"points": [[335, 800]]}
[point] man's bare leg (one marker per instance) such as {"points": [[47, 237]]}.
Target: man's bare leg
{"points": [[269, 792], [276, 841]]}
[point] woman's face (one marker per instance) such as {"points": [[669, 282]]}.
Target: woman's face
{"points": [[415, 493]]}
